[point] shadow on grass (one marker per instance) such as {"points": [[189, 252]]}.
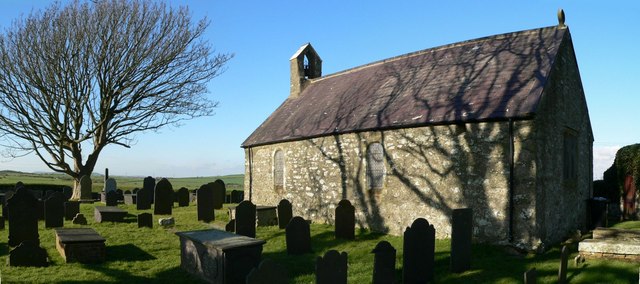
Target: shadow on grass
{"points": [[127, 252]]}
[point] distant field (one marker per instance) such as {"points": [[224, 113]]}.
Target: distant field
{"points": [[12, 177]]}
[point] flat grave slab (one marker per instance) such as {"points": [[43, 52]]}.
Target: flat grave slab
{"points": [[218, 256], [611, 243], [109, 214], [83, 245]]}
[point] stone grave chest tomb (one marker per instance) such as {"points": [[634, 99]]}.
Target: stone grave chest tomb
{"points": [[109, 214], [218, 256], [83, 245]]}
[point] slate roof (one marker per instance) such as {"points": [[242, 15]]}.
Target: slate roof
{"points": [[491, 78]]}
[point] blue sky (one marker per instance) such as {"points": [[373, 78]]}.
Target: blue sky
{"points": [[264, 34]]}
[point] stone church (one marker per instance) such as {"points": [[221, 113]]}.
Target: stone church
{"points": [[498, 124]]}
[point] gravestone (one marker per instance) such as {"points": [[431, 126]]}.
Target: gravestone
{"points": [[183, 197], [231, 226], [106, 174], [67, 192], [23, 219], [85, 188], [219, 193], [268, 272], [79, 219], [345, 220], [120, 195], [562, 272], [143, 199], [332, 268], [237, 196], [145, 220], [418, 252], [111, 198], [1, 222], [298, 236], [110, 184], [163, 202], [71, 208], [54, 211], [530, 276], [7, 195], [461, 236], [246, 219], [384, 263], [204, 203], [135, 190], [28, 253], [129, 198], [285, 213], [149, 183]]}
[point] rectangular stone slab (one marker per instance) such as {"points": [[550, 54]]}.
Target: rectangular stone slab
{"points": [[83, 245], [266, 215], [109, 214]]}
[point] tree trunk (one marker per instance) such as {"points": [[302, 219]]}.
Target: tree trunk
{"points": [[76, 189]]}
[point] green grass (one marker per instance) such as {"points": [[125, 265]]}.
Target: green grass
{"points": [[142, 255], [124, 182]]}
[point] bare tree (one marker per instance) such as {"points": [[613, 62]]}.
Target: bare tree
{"points": [[76, 78]]}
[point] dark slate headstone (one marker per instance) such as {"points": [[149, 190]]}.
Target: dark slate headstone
{"points": [[135, 191], [285, 213], [163, 202], [298, 236], [145, 220], [7, 195], [110, 184], [204, 203], [183, 197], [530, 276], [562, 272], [23, 218], [86, 188], [111, 198], [67, 192], [461, 235], [28, 253], [246, 219], [54, 211], [237, 196], [332, 268], [219, 193], [79, 219], [143, 199], [419, 252], [345, 220], [120, 195], [150, 184], [268, 272], [384, 263], [231, 226], [71, 208]]}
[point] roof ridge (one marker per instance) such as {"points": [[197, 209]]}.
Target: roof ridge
{"points": [[431, 49]]}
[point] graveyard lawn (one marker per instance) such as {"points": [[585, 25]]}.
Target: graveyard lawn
{"points": [[143, 255]]}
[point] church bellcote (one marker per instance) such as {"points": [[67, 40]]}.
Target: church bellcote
{"points": [[305, 64]]}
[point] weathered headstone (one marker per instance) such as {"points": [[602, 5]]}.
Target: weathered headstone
{"points": [[345, 220], [143, 199], [237, 196], [110, 184], [67, 192], [384, 263], [79, 219], [71, 208], [23, 219], [285, 213], [54, 210], [246, 219], [163, 202], [85, 188], [219, 192], [28, 253], [461, 236], [530, 276], [135, 190], [268, 272], [145, 220], [111, 198], [183, 197], [167, 222], [7, 195], [564, 258], [419, 252], [332, 268], [120, 196], [298, 236], [230, 226], [149, 183], [204, 203]]}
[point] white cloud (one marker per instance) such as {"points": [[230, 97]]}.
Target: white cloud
{"points": [[603, 157]]}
